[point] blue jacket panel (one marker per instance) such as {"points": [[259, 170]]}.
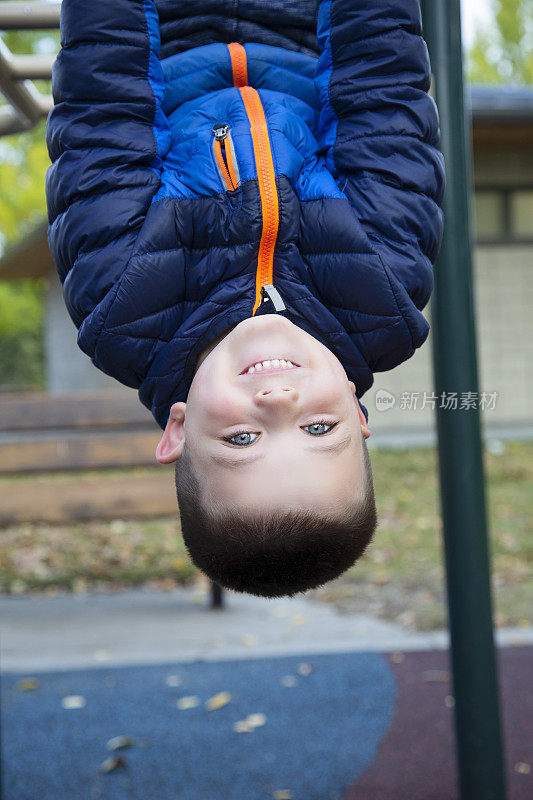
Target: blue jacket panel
{"points": [[157, 257]]}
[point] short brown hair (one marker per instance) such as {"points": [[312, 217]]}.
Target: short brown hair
{"points": [[273, 553]]}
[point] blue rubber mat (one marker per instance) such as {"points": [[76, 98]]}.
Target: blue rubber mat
{"points": [[320, 733]]}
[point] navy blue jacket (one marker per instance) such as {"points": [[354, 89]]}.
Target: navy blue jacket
{"points": [[185, 183]]}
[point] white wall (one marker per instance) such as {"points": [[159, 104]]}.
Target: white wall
{"points": [[504, 317], [68, 369]]}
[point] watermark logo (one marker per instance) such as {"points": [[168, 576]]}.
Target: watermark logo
{"points": [[385, 400], [450, 401]]}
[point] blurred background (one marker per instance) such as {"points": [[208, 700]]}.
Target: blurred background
{"points": [[83, 504]]}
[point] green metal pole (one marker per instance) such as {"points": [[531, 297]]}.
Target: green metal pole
{"points": [[477, 717]]}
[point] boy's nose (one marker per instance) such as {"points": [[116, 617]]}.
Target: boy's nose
{"points": [[277, 395]]}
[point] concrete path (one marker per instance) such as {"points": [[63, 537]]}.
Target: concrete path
{"points": [[136, 627]]}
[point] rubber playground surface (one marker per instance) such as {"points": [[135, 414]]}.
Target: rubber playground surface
{"points": [[336, 726]]}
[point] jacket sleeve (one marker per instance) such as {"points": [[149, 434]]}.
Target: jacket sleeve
{"points": [[379, 131], [106, 138]]}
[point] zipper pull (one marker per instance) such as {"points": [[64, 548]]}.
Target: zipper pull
{"points": [[220, 130], [271, 293]]}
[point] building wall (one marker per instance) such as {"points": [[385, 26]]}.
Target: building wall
{"points": [[504, 320], [68, 369]]}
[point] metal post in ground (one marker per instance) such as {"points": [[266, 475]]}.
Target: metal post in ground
{"points": [[477, 717], [217, 596]]}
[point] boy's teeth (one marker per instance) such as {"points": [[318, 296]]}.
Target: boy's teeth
{"points": [[279, 363]]}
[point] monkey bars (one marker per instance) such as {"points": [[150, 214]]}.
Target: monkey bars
{"points": [[26, 105]]}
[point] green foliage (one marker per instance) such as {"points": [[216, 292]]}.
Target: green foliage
{"points": [[23, 164], [32, 42], [21, 335], [22, 362], [21, 308], [503, 53]]}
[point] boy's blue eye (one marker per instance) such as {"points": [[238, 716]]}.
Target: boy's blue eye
{"points": [[243, 442], [241, 439], [316, 425]]}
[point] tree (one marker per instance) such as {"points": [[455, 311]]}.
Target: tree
{"points": [[503, 52], [23, 164]]}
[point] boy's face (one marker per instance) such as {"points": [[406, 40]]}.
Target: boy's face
{"points": [[289, 438]]}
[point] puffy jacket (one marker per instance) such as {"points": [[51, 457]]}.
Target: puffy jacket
{"points": [[190, 192]]}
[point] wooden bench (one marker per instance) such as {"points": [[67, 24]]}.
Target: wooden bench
{"points": [[46, 440]]}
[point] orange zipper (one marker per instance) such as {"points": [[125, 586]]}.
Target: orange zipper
{"points": [[239, 64], [225, 157], [265, 171], [267, 189]]}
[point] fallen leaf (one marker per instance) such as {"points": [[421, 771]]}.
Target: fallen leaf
{"points": [[397, 658], [79, 585], [305, 669], [242, 726], [188, 702], [357, 629], [289, 680], [449, 701], [28, 684], [256, 720], [173, 680], [249, 724], [218, 701], [101, 655], [73, 701], [112, 763], [118, 742]]}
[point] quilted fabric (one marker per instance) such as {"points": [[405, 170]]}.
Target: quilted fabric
{"points": [[157, 259]]}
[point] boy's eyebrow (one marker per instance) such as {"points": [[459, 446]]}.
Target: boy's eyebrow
{"points": [[235, 463]]}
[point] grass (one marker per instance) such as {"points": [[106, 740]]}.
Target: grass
{"points": [[400, 578]]}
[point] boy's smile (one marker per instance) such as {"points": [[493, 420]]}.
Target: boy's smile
{"points": [[269, 365], [284, 435]]}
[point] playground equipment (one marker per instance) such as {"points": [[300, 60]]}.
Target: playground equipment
{"points": [[462, 483], [479, 744]]}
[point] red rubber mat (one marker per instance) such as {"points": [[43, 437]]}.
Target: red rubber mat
{"points": [[416, 758]]}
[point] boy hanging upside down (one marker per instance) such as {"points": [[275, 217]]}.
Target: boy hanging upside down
{"points": [[244, 220]]}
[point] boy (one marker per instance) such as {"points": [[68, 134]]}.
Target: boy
{"points": [[245, 233]]}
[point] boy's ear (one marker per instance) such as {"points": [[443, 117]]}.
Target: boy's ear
{"points": [[171, 444], [362, 418]]}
